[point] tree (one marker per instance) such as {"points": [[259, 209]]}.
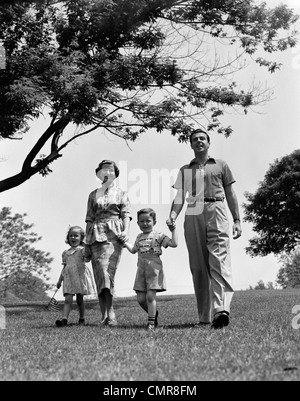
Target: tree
{"points": [[23, 268], [289, 274], [127, 66], [274, 209], [24, 286]]}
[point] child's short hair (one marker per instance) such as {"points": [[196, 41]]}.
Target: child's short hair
{"points": [[147, 210], [82, 234]]}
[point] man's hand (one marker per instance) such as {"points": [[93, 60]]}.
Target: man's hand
{"points": [[171, 224], [236, 229]]}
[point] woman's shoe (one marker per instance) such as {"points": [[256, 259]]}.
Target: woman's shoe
{"points": [[112, 322]]}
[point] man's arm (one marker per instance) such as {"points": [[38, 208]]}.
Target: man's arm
{"points": [[234, 209]]}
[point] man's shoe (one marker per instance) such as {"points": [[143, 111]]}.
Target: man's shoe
{"points": [[221, 320], [81, 321]]}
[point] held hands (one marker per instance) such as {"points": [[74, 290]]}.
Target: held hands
{"points": [[123, 237], [171, 224]]}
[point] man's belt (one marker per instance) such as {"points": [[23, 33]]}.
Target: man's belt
{"points": [[213, 199], [193, 199]]}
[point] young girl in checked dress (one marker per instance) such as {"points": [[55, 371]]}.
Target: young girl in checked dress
{"points": [[150, 277], [76, 276]]}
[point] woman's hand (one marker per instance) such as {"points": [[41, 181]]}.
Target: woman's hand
{"points": [[123, 237]]}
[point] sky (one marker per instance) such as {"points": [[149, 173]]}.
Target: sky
{"points": [[148, 168]]}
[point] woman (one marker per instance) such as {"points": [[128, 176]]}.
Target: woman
{"points": [[107, 225]]}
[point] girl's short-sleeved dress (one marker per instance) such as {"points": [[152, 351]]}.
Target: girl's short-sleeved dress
{"points": [[77, 277]]}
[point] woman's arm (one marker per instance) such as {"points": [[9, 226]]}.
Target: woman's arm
{"points": [[125, 233]]}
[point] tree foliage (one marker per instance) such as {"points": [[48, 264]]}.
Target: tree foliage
{"points": [[24, 287], [289, 272], [126, 66], [274, 209], [23, 268]]}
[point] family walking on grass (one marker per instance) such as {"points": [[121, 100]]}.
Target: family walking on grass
{"points": [[204, 183]]}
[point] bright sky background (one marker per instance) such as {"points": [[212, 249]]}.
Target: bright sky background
{"points": [[264, 134]]}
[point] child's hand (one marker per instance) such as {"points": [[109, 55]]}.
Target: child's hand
{"points": [[171, 224], [123, 237]]}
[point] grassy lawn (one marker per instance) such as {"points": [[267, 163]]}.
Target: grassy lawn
{"points": [[260, 343]]}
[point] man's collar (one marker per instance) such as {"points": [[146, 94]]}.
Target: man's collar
{"points": [[194, 161]]}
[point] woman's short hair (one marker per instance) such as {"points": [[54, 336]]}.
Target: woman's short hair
{"points": [[100, 166], [147, 210]]}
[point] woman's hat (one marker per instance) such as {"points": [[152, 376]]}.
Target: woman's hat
{"points": [[108, 162]]}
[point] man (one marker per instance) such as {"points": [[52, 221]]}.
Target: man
{"points": [[208, 182]]}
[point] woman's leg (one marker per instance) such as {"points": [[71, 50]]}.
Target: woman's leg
{"points": [[109, 306], [106, 306]]}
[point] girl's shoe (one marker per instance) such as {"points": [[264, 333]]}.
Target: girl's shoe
{"points": [[61, 323], [81, 321], [156, 320]]}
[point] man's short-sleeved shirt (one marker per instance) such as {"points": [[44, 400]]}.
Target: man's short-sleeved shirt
{"points": [[209, 180]]}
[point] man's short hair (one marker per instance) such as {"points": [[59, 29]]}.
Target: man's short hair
{"points": [[196, 131]]}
